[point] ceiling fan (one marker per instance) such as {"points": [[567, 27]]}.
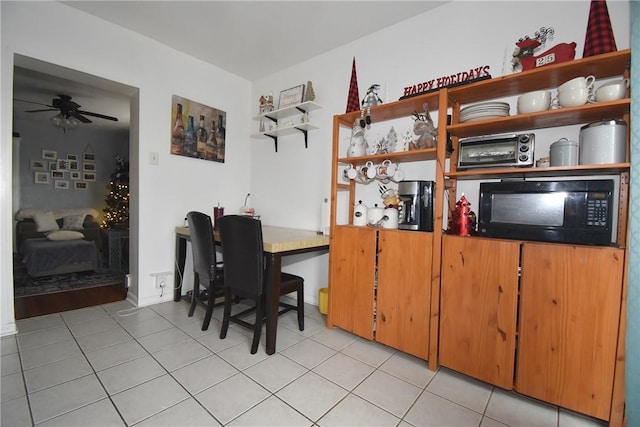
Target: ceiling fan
{"points": [[68, 110]]}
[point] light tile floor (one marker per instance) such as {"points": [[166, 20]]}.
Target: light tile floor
{"points": [[115, 365]]}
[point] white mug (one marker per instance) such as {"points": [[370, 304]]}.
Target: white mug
{"points": [[350, 172], [368, 170], [398, 175], [386, 169], [572, 97], [576, 83]]}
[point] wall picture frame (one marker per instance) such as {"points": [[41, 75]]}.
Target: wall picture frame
{"points": [[72, 157], [89, 157], [38, 165], [89, 166], [74, 165], [74, 175], [41, 177], [61, 184], [88, 176], [57, 174], [62, 165], [290, 97], [49, 155], [80, 185], [206, 142]]}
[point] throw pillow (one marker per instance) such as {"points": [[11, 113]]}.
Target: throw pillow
{"points": [[45, 221], [73, 222], [65, 235]]}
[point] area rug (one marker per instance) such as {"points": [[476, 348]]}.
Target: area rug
{"points": [[26, 286]]}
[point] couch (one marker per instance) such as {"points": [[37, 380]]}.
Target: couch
{"points": [[58, 242]]}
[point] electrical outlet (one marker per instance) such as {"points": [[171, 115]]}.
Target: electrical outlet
{"points": [[161, 279]]}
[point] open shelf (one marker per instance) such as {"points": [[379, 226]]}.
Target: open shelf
{"points": [[604, 169]]}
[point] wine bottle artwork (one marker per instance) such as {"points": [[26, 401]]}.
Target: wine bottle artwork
{"points": [[197, 131], [177, 133], [201, 138], [190, 139]]}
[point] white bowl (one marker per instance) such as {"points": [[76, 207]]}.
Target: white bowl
{"points": [[612, 91], [532, 102]]}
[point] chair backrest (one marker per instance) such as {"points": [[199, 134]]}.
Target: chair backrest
{"points": [[203, 246], [242, 251]]}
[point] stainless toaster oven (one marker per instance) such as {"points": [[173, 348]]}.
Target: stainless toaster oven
{"points": [[513, 150]]}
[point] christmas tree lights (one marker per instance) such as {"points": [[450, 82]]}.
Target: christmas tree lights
{"points": [[116, 213]]}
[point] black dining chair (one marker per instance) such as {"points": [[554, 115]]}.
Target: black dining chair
{"points": [[245, 275], [206, 269]]}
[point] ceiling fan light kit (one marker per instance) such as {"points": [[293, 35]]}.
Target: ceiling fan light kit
{"points": [[64, 122], [69, 116]]}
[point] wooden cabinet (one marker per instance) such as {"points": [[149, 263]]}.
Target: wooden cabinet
{"points": [[403, 296], [388, 299], [478, 307], [569, 317], [566, 323], [351, 296], [385, 284]]}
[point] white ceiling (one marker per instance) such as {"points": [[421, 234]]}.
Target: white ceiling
{"points": [[250, 39]]}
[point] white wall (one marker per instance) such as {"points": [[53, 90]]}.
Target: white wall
{"points": [[161, 195], [286, 187]]}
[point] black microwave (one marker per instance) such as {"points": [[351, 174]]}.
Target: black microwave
{"points": [[550, 211]]}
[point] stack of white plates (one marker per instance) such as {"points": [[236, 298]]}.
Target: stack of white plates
{"points": [[484, 111]]}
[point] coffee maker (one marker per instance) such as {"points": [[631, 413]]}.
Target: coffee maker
{"points": [[416, 199]]}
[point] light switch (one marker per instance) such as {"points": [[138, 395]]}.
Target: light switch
{"points": [[153, 158]]}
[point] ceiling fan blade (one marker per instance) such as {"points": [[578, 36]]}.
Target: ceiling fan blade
{"points": [[79, 117], [40, 111], [32, 102], [100, 116]]}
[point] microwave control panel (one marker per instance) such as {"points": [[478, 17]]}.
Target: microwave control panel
{"points": [[597, 210]]}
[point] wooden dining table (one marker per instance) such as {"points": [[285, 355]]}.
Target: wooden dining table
{"points": [[278, 242]]}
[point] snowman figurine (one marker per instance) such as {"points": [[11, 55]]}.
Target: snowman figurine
{"points": [[357, 143]]}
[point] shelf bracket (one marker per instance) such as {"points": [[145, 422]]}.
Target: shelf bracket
{"points": [[306, 142], [275, 140]]}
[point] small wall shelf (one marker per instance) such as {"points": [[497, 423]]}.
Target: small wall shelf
{"points": [[283, 113]]}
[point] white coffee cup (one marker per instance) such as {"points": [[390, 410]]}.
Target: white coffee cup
{"points": [[578, 82], [612, 91], [368, 170], [577, 91], [571, 98], [350, 172], [386, 169], [533, 102], [398, 175]]}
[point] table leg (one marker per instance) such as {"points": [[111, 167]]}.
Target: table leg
{"points": [[272, 298], [181, 254]]}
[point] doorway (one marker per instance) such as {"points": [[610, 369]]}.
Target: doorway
{"points": [[38, 88]]}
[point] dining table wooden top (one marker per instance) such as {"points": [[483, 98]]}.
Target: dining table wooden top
{"points": [[281, 239]]}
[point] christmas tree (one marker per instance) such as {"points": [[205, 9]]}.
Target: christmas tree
{"points": [[116, 214]]}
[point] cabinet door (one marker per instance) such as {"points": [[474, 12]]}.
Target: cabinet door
{"points": [[478, 307], [569, 317], [353, 254], [403, 296]]}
